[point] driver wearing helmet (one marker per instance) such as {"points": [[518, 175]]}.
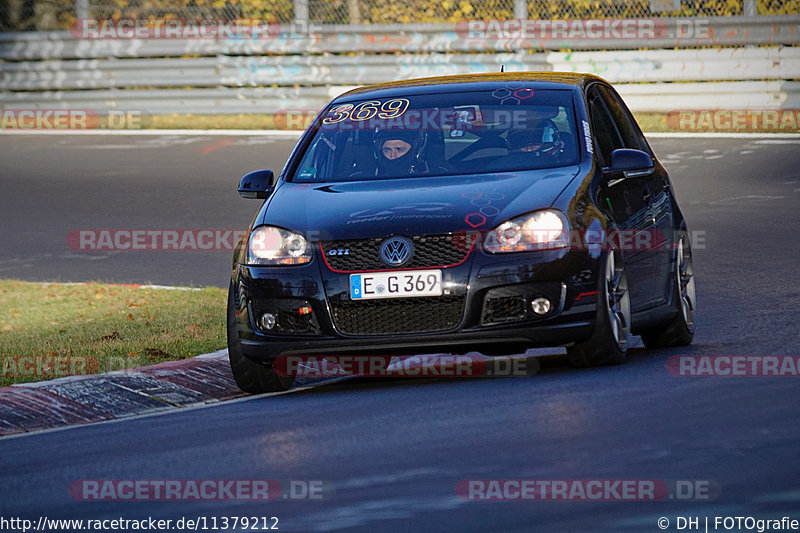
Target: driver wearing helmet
{"points": [[536, 146], [398, 152]]}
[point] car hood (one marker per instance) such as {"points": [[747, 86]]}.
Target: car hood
{"points": [[412, 206]]}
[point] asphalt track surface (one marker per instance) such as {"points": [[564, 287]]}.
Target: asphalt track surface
{"points": [[390, 452]]}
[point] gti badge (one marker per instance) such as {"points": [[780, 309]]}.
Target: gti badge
{"points": [[396, 251]]}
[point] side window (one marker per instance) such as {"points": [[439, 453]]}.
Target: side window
{"points": [[605, 131], [626, 125]]}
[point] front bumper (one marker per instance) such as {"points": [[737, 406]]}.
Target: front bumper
{"points": [[486, 308]]}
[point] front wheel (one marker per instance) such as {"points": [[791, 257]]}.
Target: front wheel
{"points": [[609, 343], [250, 376], [679, 332]]}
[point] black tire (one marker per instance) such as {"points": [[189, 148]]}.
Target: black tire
{"points": [[250, 376], [680, 331], [609, 343]]}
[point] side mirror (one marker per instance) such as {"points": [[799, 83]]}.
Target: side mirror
{"points": [[256, 184], [632, 163]]}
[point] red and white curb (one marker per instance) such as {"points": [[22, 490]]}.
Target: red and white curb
{"points": [[85, 399], [149, 390]]}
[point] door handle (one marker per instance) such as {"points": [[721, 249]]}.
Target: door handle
{"points": [[646, 197]]}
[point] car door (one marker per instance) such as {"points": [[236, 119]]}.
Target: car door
{"points": [[626, 200], [658, 243]]}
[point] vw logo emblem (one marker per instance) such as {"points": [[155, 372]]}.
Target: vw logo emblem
{"points": [[396, 251]]}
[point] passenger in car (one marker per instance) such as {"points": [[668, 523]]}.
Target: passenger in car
{"points": [[535, 146]]}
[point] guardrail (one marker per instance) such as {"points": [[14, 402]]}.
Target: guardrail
{"points": [[193, 101], [639, 97], [57, 71], [707, 64], [426, 38], [729, 64]]}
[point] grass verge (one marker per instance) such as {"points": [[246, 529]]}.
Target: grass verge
{"points": [[720, 121], [49, 330], [214, 122]]}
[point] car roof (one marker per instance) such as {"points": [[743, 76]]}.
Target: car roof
{"points": [[470, 82]]}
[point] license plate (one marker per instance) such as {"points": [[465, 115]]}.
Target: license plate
{"points": [[406, 284]]}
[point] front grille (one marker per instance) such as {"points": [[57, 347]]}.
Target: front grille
{"points": [[429, 251], [405, 315]]}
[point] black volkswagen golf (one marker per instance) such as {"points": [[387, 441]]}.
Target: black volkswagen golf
{"points": [[488, 213]]}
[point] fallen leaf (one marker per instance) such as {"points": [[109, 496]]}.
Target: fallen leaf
{"points": [[194, 328], [113, 336], [153, 354]]}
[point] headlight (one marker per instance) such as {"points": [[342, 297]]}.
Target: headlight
{"points": [[274, 246], [542, 230]]}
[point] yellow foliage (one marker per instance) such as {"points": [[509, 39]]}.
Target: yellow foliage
{"points": [[59, 14]]}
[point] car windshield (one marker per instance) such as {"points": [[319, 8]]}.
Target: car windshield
{"points": [[507, 129]]}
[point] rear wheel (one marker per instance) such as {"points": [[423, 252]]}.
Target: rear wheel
{"points": [[609, 343], [250, 376], [679, 332]]}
